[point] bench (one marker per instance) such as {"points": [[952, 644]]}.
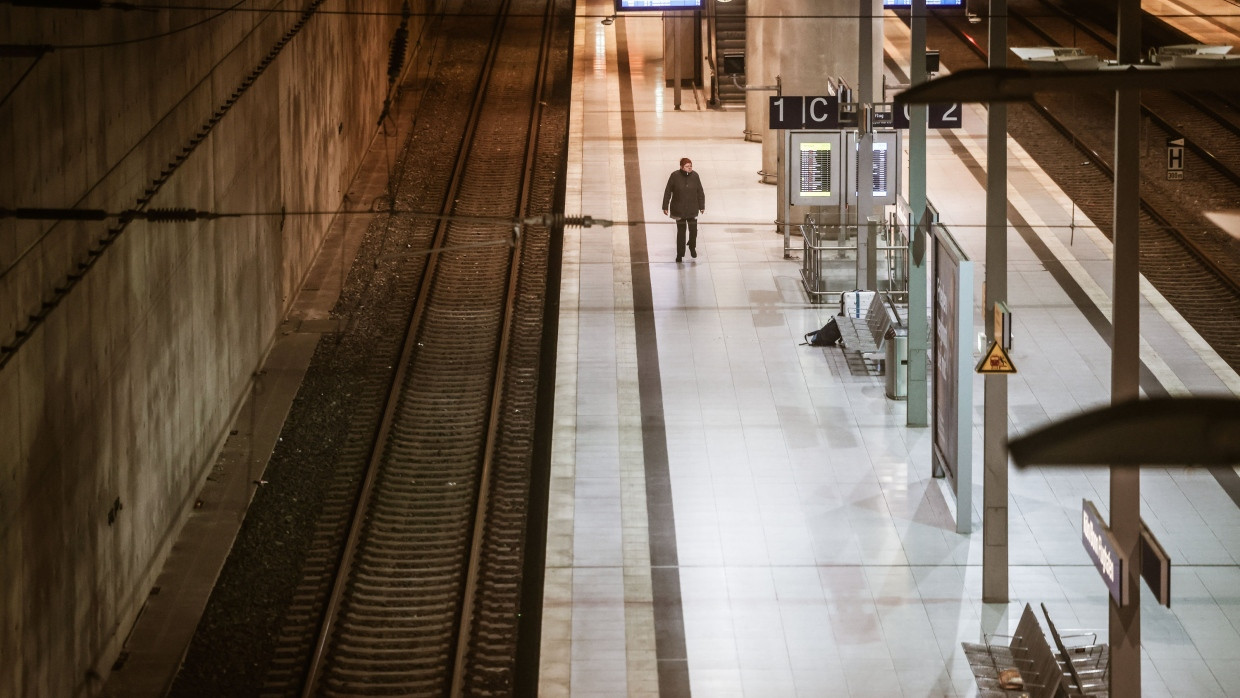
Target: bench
{"points": [[867, 335], [1088, 665], [1038, 673], [1028, 667]]}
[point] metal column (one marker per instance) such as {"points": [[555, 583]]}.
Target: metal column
{"points": [[1125, 621], [671, 53], [994, 434], [918, 303], [866, 257]]}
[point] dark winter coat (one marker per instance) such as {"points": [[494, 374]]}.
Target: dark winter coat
{"points": [[684, 191]]}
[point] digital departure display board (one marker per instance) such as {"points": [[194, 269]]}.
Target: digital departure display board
{"points": [[881, 167], [885, 174], [815, 177], [657, 5], [929, 3], [814, 167]]}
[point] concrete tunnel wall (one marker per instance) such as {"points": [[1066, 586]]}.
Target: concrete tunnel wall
{"points": [[125, 388]]}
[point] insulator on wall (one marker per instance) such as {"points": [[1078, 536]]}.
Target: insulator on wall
{"points": [[396, 58], [554, 219], [400, 43], [173, 215]]}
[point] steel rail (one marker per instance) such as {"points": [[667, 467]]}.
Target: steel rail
{"points": [[1191, 144], [331, 611], [1195, 250], [464, 634], [1184, 38]]}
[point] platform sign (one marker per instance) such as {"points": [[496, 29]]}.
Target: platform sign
{"points": [[794, 112], [822, 111], [883, 116], [1155, 566], [1104, 550], [1175, 158], [789, 112], [937, 116]]}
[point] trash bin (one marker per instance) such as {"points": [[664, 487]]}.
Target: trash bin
{"points": [[897, 363]]}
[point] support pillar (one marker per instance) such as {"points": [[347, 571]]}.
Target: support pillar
{"points": [[674, 63], [761, 62], [866, 77], [805, 41], [1125, 621], [918, 403], [994, 434]]}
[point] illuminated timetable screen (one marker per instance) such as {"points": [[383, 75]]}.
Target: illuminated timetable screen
{"points": [[884, 177], [657, 5], [929, 3], [880, 169], [816, 169]]}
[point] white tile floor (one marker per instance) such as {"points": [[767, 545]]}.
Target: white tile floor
{"points": [[814, 554]]}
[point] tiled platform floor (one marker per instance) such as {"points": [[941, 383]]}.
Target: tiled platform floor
{"points": [[734, 514]]}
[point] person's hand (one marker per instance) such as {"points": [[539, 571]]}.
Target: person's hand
{"points": [[702, 211], [665, 212]]}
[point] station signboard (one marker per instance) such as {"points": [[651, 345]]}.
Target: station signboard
{"points": [[797, 112], [1155, 566], [792, 113], [1104, 550], [937, 116]]}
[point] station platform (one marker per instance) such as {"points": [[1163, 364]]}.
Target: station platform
{"points": [[734, 514]]}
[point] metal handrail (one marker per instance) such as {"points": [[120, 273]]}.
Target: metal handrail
{"points": [[713, 98], [893, 246]]}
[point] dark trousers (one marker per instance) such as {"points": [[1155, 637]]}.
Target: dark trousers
{"points": [[681, 224]]}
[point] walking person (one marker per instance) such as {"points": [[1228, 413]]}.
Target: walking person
{"points": [[684, 199]]}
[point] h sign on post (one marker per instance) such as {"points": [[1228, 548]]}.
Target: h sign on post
{"points": [[1175, 158]]}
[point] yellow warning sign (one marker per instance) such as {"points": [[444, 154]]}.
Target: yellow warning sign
{"points": [[995, 361]]}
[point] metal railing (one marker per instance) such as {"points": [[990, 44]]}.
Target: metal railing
{"points": [[829, 259]]}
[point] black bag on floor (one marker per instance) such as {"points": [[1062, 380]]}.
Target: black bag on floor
{"points": [[828, 336]]}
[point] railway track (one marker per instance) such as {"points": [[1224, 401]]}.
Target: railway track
{"points": [[1191, 262], [1209, 123], [412, 583]]}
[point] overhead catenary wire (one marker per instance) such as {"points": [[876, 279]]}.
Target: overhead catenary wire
{"points": [[37, 52], [186, 215], [183, 215], [235, 8], [632, 14], [15, 260], [104, 242]]}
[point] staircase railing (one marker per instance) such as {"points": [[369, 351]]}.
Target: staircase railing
{"points": [[712, 97]]}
